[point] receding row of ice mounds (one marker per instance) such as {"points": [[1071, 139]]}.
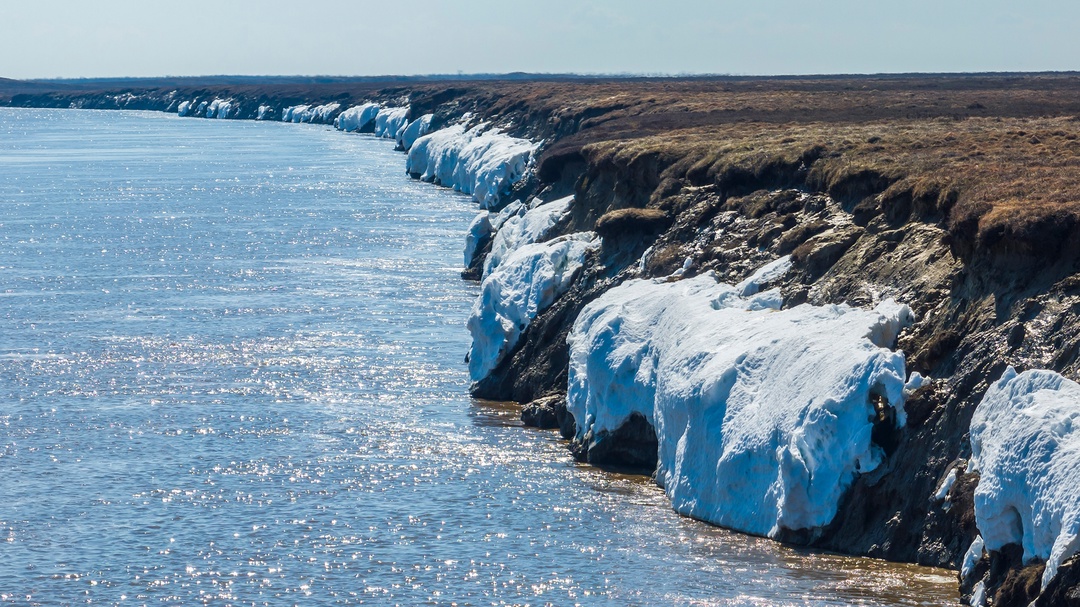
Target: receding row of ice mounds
{"points": [[763, 416], [479, 161], [218, 108], [1025, 445], [386, 122], [309, 113]]}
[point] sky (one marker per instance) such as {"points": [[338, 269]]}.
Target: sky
{"points": [[114, 38]]}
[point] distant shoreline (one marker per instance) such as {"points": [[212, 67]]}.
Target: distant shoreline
{"points": [[320, 84]]}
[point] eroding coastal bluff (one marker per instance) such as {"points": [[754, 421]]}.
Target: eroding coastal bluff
{"points": [[839, 312]]}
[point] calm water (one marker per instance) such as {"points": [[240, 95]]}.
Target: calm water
{"points": [[231, 373]]}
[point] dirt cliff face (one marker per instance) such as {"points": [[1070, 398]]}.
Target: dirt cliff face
{"points": [[959, 197], [837, 260]]}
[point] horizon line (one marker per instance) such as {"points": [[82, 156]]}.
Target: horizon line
{"points": [[518, 75]]}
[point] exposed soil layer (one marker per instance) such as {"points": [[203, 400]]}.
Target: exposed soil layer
{"points": [[957, 195]]}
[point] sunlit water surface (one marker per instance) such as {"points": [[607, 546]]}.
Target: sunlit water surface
{"points": [[231, 372]]}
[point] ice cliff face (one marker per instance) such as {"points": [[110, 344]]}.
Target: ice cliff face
{"points": [[434, 157], [218, 108], [357, 117], [526, 283], [485, 225], [294, 113], [1025, 443], [416, 129], [308, 113], [390, 120], [524, 226], [477, 161], [763, 416]]}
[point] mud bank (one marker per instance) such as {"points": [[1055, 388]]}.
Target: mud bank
{"points": [[954, 197]]}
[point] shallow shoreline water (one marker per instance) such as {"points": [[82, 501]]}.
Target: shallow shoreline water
{"points": [[231, 355]]}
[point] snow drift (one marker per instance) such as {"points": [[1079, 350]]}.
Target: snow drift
{"points": [[520, 229], [308, 113], [390, 120], [218, 108], [525, 284], [322, 113], [416, 129], [357, 117], [1025, 443], [763, 416], [484, 164], [293, 113], [434, 157], [487, 223]]}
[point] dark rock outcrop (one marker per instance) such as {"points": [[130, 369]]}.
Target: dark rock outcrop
{"points": [[549, 413], [1063, 590], [630, 448]]}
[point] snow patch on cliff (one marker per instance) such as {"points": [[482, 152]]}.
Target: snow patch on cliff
{"points": [[416, 129], [764, 275], [183, 108], [945, 487], [357, 117], [219, 108], [521, 229], [972, 557], [479, 231], [763, 416], [1025, 443], [486, 223], [525, 284], [294, 113], [472, 161], [390, 120], [308, 113], [322, 113], [978, 595]]}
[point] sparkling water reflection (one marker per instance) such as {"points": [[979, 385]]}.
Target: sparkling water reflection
{"points": [[231, 372]]}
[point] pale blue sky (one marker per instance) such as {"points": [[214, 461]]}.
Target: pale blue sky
{"points": [[80, 38]]}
